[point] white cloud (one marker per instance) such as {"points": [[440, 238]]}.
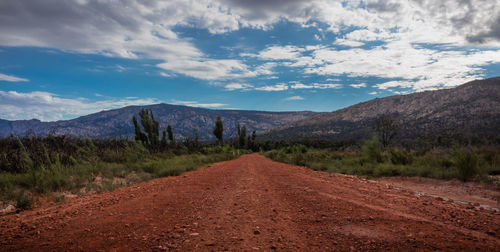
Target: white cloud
{"points": [[350, 43], [277, 87], [278, 53], [198, 104], [373, 93], [238, 86], [144, 29], [298, 85], [421, 68], [50, 107], [392, 84], [166, 75], [294, 98], [360, 85], [208, 69], [11, 78]]}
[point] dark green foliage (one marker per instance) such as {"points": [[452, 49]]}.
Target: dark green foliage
{"points": [[150, 137], [467, 163], [170, 132], [23, 200], [386, 128], [371, 150], [163, 141], [139, 136], [463, 164], [242, 135], [218, 130], [400, 157]]}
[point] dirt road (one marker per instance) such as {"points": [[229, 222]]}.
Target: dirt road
{"points": [[253, 203]]}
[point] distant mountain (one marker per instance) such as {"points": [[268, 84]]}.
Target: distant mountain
{"points": [[473, 107], [118, 122]]}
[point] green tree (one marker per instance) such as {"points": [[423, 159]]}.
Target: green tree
{"points": [[242, 134], [170, 132], [151, 134], [196, 137], [139, 136], [386, 128], [371, 150], [218, 130], [163, 142]]}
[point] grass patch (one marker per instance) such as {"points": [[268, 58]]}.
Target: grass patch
{"points": [[453, 163]]}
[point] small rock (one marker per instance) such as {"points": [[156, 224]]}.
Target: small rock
{"points": [[8, 209], [256, 232], [194, 234]]}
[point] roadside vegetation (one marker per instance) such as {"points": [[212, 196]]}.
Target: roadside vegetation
{"points": [[39, 169], [378, 156], [35, 169]]}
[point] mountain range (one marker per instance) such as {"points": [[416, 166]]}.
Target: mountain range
{"points": [[469, 108], [117, 123]]}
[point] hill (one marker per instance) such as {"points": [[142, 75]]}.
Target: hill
{"points": [[470, 108], [118, 122]]}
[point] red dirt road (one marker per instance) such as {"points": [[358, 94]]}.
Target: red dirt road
{"points": [[253, 203]]}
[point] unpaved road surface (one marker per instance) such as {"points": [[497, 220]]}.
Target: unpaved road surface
{"points": [[487, 196], [253, 203]]}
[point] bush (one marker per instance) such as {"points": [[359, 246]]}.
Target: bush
{"points": [[467, 164], [371, 150], [24, 200], [400, 157]]}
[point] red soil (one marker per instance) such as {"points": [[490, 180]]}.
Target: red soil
{"points": [[253, 203]]}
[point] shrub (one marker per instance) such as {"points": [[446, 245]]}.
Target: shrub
{"points": [[24, 200], [467, 164], [400, 157], [371, 150]]}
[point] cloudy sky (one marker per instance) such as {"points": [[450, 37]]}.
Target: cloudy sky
{"points": [[60, 59]]}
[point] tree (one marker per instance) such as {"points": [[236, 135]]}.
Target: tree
{"points": [[139, 136], [196, 137], [163, 142], [386, 128], [170, 132], [251, 141], [242, 134], [151, 134], [218, 129]]}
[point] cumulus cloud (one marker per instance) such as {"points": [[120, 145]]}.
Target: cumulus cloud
{"points": [[420, 67], [298, 85], [278, 53], [350, 43], [11, 78], [294, 98], [144, 29], [198, 104], [209, 69], [277, 87], [360, 85], [238, 86], [51, 107]]}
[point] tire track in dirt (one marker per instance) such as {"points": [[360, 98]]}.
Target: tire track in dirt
{"points": [[252, 203]]}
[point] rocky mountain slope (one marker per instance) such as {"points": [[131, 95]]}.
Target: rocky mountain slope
{"points": [[473, 107], [118, 122]]}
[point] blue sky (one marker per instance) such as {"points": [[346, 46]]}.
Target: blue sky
{"points": [[63, 59]]}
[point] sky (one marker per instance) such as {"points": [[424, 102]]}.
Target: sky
{"points": [[60, 59]]}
